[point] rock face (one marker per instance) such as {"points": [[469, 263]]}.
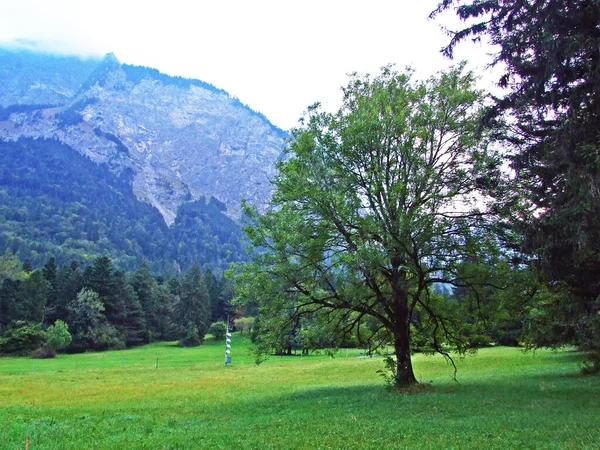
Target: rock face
{"points": [[184, 139], [41, 79]]}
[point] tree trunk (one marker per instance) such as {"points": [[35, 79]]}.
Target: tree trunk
{"points": [[404, 370]]}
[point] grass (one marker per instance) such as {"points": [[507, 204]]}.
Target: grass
{"points": [[118, 400]]}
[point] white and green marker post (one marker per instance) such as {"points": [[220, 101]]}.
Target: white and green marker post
{"points": [[227, 344]]}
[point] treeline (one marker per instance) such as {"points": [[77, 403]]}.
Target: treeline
{"points": [[281, 332], [56, 203], [103, 307]]}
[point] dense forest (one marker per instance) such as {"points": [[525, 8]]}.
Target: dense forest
{"points": [[56, 203], [99, 307]]}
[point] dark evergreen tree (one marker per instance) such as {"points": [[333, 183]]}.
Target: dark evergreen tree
{"points": [[100, 278], [134, 324], [213, 286], [130, 322], [9, 295], [193, 305], [165, 302], [50, 272], [69, 284], [550, 51], [145, 286], [33, 293], [226, 294]]}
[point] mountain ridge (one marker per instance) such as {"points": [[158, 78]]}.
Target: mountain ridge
{"points": [[185, 138]]}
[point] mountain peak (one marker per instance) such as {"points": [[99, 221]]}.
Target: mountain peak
{"points": [[183, 139], [111, 59]]}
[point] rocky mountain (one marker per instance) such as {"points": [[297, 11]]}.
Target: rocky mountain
{"points": [[57, 203], [28, 78], [182, 139]]}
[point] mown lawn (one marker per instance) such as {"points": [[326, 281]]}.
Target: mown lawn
{"points": [[120, 400]]}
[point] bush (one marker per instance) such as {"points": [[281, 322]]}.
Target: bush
{"points": [[218, 330], [22, 338], [44, 353], [191, 338], [58, 336], [508, 338], [591, 366], [245, 324]]}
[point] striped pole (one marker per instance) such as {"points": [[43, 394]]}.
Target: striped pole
{"points": [[227, 344]]}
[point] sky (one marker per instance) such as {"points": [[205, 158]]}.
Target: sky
{"points": [[276, 56]]}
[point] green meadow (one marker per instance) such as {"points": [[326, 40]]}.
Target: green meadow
{"points": [[161, 396]]}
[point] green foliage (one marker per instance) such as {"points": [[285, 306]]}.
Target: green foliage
{"points": [[93, 212], [191, 337], [549, 119], [58, 336], [104, 307], [555, 318], [10, 266], [43, 353], [33, 294], [22, 337], [374, 205], [245, 325], [389, 374], [193, 306], [218, 330], [220, 293], [90, 328]]}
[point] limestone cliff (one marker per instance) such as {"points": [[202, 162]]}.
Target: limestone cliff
{"points": [[182, 138]]}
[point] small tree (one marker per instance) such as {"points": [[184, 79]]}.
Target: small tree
{"points": [[245, 324], [194, 304], [191, 337], [218, 330], [89, 324], [58, 336]]}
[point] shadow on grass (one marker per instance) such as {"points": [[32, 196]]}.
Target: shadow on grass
{"points": [[562, 355], [508, 391]]}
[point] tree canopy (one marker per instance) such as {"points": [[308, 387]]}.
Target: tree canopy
{"points": [[550, 51], [375, 205]]}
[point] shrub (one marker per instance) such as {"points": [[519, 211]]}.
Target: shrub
{"points": [[22, 338], [58, 336], [245, 324], [44, 353], [218, 330], [191, 338]]}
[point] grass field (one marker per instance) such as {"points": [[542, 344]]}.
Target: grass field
{"points": [[121, 400]]}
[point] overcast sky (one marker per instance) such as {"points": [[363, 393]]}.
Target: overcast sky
{"points": [[277, 56]]}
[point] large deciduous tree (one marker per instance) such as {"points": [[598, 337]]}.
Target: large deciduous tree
{"points": [[550, 51], [373, 206]]}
